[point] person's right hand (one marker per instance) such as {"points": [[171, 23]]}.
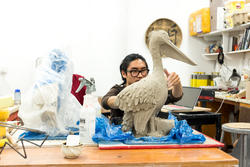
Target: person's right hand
{"points": [[173, 79]]}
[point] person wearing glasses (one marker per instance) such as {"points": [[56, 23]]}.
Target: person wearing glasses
{"points": [[133, 68]]}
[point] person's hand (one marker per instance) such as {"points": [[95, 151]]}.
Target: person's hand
{"points": [[174, 83], [173, 79]]}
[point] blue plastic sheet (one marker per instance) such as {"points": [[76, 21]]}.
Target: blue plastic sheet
{"points": [[41, 136], [182, 133]]}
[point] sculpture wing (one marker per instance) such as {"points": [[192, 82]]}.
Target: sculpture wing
{"points": [[139, 96]]}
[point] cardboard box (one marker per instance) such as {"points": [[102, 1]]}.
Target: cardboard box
{"points": [[214, 4]]}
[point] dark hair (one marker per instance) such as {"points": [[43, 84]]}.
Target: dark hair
{"points": [[127, 60]]}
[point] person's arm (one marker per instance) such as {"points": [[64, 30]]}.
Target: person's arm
{"points": [[108, 100], [111, 102]]}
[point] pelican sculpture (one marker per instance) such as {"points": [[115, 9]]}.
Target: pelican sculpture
{"points": [[142, 100]]}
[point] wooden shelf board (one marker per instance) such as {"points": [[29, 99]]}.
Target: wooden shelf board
{"points": [[210, 56], [219, 32], [238, 51]]}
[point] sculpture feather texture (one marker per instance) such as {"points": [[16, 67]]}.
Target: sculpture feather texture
{"points": [[142, 100]]}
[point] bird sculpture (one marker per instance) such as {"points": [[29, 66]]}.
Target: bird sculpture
{"points": [[142, 100]]}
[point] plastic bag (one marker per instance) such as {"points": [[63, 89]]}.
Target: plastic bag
{"points": [[49, 106], [182, 133], [104, 131]]}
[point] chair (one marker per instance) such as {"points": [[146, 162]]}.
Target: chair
{"points": [[243, 129]]}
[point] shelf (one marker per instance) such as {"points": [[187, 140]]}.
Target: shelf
{"points": [[238, 51], [210, 56], [224, 37], [220, 32], [213, 56]]}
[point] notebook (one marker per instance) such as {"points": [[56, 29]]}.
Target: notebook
{"points": [[188, 101]]}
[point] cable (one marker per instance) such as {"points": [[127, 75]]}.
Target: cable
{"points": [[220, 105]]}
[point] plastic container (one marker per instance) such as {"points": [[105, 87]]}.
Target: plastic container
{"points": [[5, 90], [87, 122], [199, 22], [83, 132], [17, 97]]}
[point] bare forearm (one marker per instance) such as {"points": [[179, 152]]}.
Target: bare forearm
{"points": [[111, 102]]}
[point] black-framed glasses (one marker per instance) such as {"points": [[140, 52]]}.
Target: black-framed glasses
{"points": [[135, 73]]}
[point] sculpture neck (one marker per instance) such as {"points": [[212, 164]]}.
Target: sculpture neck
{"points": [[157, 60]]}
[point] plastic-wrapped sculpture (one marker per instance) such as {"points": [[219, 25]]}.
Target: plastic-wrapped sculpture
{"points": [[49, 106], [142, 100]]}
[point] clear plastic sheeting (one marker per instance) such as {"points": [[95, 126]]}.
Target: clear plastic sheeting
{"points": [[182, 133], [49, 106]]}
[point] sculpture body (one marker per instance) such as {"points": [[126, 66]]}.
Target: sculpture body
{"points": [[142, 100]]}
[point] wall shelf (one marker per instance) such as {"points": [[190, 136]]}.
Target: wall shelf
{"points": [[210, 56], [237, 52], [224, 37], [213, 56], [227, 30]]}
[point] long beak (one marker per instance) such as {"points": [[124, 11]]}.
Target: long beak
{"points": [[170, 50], [167, 48]]}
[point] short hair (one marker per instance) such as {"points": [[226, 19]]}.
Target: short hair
{"points": [[127, 60]]}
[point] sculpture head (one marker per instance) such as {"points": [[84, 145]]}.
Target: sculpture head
{"points": [[133, 68], [160, 43]]}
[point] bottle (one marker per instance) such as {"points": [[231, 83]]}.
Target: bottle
{"points": [[5, 90], [83, 133], [17, 97], [87, 124]]}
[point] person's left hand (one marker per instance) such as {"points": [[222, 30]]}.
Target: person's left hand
{"points": [[173, 79]]}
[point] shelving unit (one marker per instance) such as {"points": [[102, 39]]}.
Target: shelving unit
{"points": [[224, 37]]}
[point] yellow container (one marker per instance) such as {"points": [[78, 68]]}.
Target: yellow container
{"points": [[199, 22], [3, 141], [2, 132], [232, 6], [192, 25], [4, 114]]}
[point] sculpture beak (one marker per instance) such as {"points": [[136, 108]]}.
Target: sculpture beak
{"points": [[168, 49]]}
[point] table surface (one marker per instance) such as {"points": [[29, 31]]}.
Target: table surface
{"points": [[92, 156], [229, 97], [195, 109]]}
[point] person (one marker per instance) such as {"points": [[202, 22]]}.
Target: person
{"points": [[133, 68]]}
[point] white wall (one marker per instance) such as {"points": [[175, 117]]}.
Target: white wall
{"points": [[97, 33], [142, 13]]}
